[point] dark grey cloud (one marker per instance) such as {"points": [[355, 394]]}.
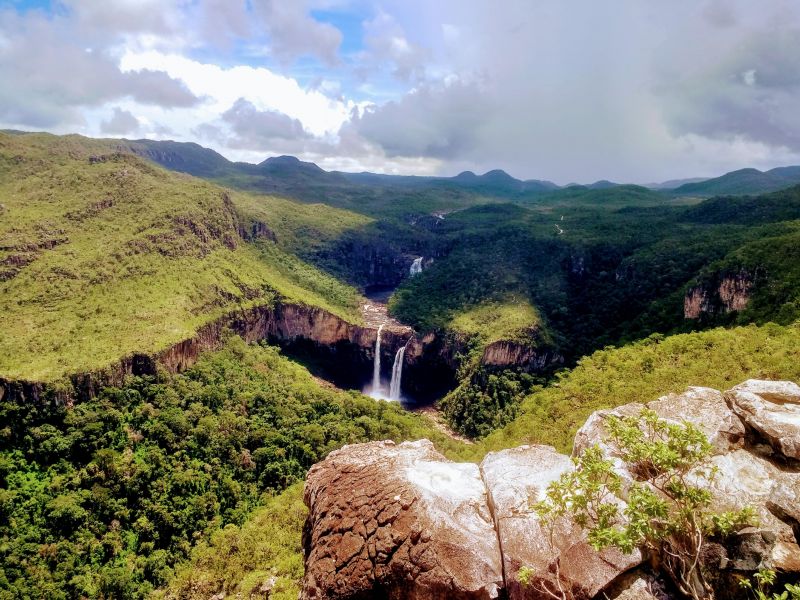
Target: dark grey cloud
{"points": [[257, 129], [436, 120], [753, 93], [122, 122], [48, 75]]}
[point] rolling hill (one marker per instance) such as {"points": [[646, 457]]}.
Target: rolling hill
{"points": [[743, 181]]}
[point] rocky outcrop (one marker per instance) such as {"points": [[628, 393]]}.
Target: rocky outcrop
{"points": [[256, 230], [722, 294], [704, 408], [358, 483], [773, 410], [398, 522]]}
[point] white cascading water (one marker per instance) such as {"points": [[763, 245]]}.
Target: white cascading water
{"points": [[416, 267], [376, 365], [397, 374]]}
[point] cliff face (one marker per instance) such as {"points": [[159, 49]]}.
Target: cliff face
{"points": [[290, 325], [723, 294], [401, 521], [345, 352], [506, 354], [372, 261]]}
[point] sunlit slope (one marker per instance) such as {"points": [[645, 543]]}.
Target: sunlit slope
{"points": [[103, 254]]}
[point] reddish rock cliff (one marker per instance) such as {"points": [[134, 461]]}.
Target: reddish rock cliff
{"points": [[724, 294]]}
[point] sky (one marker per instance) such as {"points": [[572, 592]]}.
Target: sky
{"points": [[580, 90]]}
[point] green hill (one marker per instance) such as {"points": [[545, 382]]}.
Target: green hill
{"points": [[103, 254], [743, 181]]}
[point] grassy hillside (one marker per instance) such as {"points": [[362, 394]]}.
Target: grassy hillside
{"points": [[509, 319], [103, 257]]}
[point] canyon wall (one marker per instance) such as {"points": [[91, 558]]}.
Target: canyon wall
{"points": [[289, 325], [722, 294]]}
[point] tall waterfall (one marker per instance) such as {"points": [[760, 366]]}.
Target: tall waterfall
{"points": [[376, 364], [416, 267], [397, 374]]}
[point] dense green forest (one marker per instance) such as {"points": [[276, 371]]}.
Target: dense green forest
{"points": [[106, 498]]}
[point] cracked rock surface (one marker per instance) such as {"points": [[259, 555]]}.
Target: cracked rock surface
{"points": [[393, 521], [399, 521]]}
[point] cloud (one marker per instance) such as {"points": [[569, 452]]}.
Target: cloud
{"points": [[439, 121], [753, 93], [123, 16], [121, 122], [256, 129], [223, 22], [48, 75], [265, 89], [294, 33], [720, 14], [584, 91], [387, 43]]}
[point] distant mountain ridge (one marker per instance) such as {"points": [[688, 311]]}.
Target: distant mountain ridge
{"points": [[287, 173], [743, 181], [204, 162]]}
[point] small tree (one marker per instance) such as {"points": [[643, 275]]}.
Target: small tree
{"points": [[761, 589], [666, 508]]}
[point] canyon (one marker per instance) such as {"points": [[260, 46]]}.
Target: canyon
{"points": [[343, 352]]}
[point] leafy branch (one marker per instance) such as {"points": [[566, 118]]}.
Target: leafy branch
{"points": [[664, 509]]}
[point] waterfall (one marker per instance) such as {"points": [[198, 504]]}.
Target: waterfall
{"points": [[416, 267], [376, 364], [397, 374]]}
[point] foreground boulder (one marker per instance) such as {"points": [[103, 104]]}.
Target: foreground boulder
{"points": [[399, 521]]}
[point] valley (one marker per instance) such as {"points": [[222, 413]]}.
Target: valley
{"points": [[179, 349]]}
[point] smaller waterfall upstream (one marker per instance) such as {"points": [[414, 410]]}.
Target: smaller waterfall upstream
{"points": [[397, 374], [416, 267], [376, 364]]}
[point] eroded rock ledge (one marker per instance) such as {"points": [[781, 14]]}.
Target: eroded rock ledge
{"points": [[401, 521]]}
